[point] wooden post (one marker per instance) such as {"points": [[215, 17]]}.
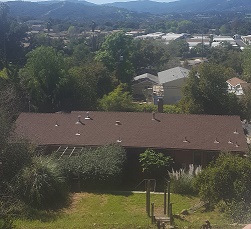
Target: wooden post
{"points": [[165, 202], [168, 198], [171, 214], [152, 212], [148, 198]]}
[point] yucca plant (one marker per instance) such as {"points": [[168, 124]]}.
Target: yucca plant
{"points": [[41, 184]]}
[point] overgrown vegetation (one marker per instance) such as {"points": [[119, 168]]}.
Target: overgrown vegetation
{"points": [[226, 184], [41, 184], [100, 167]]}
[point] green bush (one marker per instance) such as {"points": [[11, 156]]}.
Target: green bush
{"points": [[227, 181], [146, 107], [155, 166], [41, 184], [15, 157], [100, 167], [182, 180]]}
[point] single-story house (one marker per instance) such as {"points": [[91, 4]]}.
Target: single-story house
{"points": [[172, 81], [143, 85], [188, 139], [168, 85]]}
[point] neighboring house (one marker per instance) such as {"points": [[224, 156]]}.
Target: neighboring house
{"points": [[237, 86], [167, 85], [188, 139], [172, 81], [143, 86], [246, 39]]}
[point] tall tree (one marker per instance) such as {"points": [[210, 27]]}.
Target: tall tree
{"points": [[45, 79], [11, 35], [246, 63], [117, 100], [206, 91], [116, 55], [150, 56], [89, 82]]}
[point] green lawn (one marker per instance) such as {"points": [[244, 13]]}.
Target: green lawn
{"points": [[117, 211]]}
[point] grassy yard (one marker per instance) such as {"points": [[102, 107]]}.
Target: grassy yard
{"points": [[117, 211]]}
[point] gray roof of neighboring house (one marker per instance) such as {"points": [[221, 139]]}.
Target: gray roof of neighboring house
{"points": [[172, 74], [147, 76]]}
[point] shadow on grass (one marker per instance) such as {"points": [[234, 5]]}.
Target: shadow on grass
{"points": [[110, 192], [45, 214]]}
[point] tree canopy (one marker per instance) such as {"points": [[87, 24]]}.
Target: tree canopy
{"points": [[205, 91], [45, 76], [116, 54]]}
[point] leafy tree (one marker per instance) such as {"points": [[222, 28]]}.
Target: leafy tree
{"points": [[246, 64], [45, 78], [150, 56], [89, 82], [155, 165], [205, 91], [43, 39], [14, 158], [116, 54], [227, 181], [178, 48], [11, 35], [245, 102], [117, 100]]}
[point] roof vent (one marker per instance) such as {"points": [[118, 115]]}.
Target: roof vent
{"points": [[185, 140], [236, 132], [236, 144], [87, 116], [79, 120], [119, 140], [56, 124], [216, 141], [153, 116], [118, 123], [78, 133], [230, 142]]}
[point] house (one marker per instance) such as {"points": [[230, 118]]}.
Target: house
{"points": [[237, 86], [172, 81], [246, 39], [167, 85], [143, 86], [188, 139]]}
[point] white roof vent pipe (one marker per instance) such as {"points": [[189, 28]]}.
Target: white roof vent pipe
{"points": [[87, 116]]}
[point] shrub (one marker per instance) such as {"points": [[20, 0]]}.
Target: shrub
{"points": [[15, 157], [154, 164], [227, 181], [98, 167], [41, 184], [182, 180]]}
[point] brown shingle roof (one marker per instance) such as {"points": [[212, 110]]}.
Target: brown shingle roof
{"points": [[234, 81], [134, 130]]}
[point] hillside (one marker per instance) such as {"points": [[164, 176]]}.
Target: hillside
{"points": [[75, 10], [83, 10], [183, 6]]}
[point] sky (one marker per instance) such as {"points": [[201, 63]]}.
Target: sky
{"points": [[100, 1], [110, 1]]}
